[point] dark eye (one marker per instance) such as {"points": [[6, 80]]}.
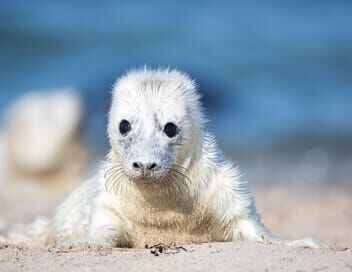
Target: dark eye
{"points": [[170, 130], [124, 127]]}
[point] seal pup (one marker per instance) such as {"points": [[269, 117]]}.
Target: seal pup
{"points": [[40, 133], [164, 180]]}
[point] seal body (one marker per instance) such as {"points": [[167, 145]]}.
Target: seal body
{"points": [[164, 180]]}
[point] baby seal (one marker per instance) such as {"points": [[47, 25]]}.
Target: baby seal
{"points": [[164, 180]]}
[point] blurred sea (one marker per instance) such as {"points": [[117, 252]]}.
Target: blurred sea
{"points": [[274, 74]]}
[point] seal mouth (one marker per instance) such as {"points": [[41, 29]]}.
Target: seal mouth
{"points": [[173, 173], [166, 173], [148, 177]]}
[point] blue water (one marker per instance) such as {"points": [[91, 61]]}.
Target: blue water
{"points": [[269, 71]]}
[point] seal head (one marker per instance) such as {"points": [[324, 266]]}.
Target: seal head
{"points": [[155, 123]]}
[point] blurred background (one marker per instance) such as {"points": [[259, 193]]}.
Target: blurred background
{"points": [[276, 79]]}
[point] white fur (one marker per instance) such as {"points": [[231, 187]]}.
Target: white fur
{"points": [[39, 130], [212, 203]]}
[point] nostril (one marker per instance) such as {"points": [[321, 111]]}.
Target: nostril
{"points": [[151, 166], [136, 165], [140, 166]]}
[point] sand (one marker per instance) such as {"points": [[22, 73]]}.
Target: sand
{"points": [[241, 256], [290, 212]]}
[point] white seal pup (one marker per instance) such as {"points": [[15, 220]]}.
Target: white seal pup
{"points": [[164, 180], [41, 131]]}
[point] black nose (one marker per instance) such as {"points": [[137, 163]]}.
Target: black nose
{"points": [[144, 166]]}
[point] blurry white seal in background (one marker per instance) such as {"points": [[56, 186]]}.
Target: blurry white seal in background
{"points": [[41, 136]]}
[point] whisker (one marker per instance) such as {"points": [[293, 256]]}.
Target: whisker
{"points": [[181, 167], [182, 174], [113, 175], [181, 177], [116, 182]]}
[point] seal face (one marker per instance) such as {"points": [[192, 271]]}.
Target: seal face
{"points": [[153, 124]]}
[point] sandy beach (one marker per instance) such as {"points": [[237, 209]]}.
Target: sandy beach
{"points": [[325, 214]]}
